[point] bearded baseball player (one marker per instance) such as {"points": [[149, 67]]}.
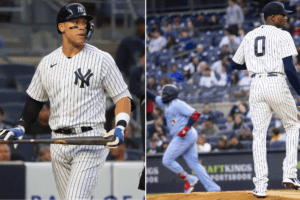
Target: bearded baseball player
{"points": [[268, 52], [76, 79], [180, 118]]}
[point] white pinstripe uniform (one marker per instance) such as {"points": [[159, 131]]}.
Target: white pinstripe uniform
{"points": [[76, 88], [263, 49]]}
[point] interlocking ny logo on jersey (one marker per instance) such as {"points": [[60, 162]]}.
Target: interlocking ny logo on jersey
{"points": [[84, 79]]}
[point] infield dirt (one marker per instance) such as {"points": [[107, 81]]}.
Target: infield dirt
{"points": [[228, 195]]}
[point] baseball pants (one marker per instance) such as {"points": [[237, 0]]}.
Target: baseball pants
{"points": [[267, 94], [186, 147]]}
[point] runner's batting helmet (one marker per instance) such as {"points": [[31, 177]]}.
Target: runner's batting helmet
{"points": [[73, 11], [171, 91]]}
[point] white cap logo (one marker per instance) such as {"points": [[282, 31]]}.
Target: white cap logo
{"points": [[80, 9]]}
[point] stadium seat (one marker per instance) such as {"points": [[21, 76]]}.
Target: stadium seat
{"points": [[221, 126], [248, 144], [277, 145], [12, 70], [43, 136], [13, 110], [3, 81], [227, 133], [134, 154], [23, 82], [10, 122], [212, 139], [11, 95], [221, 120], [25, 149], [218, 114]]}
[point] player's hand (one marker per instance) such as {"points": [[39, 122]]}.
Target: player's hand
{"points": [[17, 133], [119, 133], [183, 132]]}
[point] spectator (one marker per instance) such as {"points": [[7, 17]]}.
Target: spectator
{"points": [[165, 25], [238, 122], [191, 67], [296, 15], [185, 41], [234, 79], [170, 41], [131, 48], [201, 22], [160, 139], [234, 143], [158, 42], [245, 134], [196, 78], [163, 72], [44, 154], [208, 80], [234, 16], [256, 24], [162, 81], [229, 123], [245, 82], [240, 108], [153, 147], [296, 28], [3, 125], [152, 85], [202, 56], [277, 136], [158, 127], [223, 77], [191, 29], [214, 23], [128, 141], [222, 144], [277, 120], [231, 40], [176, 76], [164, 147], [137, 79], [202, 145], [41, 125], [5, 154], [217, 66], [209, 128], [170, 32], [177, 24], [225, 51], [207, 112]]}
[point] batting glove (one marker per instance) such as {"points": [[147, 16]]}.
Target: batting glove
{"points": [[119, 133], [17, 133], [184, 131]]}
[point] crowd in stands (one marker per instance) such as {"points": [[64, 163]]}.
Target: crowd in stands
{"points": [[193, 51]]}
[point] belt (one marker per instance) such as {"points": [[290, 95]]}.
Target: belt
{"points": [[268, 74], [72, 130]]}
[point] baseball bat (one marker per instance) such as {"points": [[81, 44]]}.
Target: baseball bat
{"points": [[68, 141]]}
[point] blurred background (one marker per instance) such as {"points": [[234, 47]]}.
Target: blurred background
{"points": [[190, 44]]}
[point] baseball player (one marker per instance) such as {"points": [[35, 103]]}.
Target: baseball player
{"points": [[76, 79], [268, 52], [180, 116]]}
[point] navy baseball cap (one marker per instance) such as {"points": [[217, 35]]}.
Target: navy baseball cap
{"points": [[274, 8]]}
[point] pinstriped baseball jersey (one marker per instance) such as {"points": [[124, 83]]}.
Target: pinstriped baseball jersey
{"points": [[263, 49], [77, 87]]}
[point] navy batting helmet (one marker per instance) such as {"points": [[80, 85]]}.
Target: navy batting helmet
{"points": [[171, 91], [73, 11]]}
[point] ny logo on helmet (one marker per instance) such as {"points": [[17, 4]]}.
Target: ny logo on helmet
{"points": [[84, 79], [80, 9]]}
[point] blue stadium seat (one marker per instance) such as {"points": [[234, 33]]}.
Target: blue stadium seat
{"points": [[222, 120], [201, 120], [134, 154], [248, 144], [13, 110], [25, 149], [3, 81], [10, 122], [11, 95], [23, 82], [227, 133], [221, 126], [277, 145], [218, 114], [12, 70], [43, 136], [211, 139]]}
